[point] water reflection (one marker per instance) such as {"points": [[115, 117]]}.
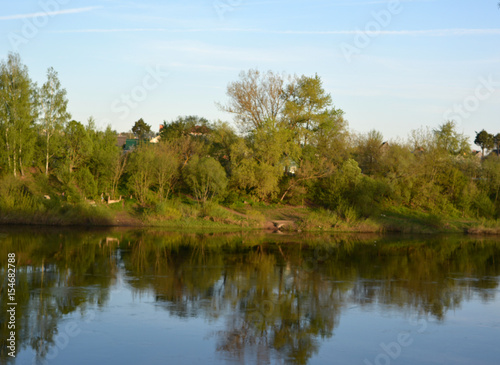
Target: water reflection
{"points": [[279, 297]]}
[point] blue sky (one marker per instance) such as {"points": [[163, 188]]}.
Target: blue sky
{"points": [[393, 65]]}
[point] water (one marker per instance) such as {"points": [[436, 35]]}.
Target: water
{"points": [[152, 297]]}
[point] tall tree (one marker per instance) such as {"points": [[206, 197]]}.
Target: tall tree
{"points": [[448, 139], [77, 145], [497, 143], [257, 97], [17, 113], [369, 150], [484, 140], [104, 158], [307, 106], [141, 129], [141, 172], [53, 104]]}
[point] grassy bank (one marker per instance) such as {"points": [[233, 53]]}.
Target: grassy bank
{"points": [[187, 214]]}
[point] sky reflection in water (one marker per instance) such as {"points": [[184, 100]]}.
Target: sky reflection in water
{"points": [[134, 297]]}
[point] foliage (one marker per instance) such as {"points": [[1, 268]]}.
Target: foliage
{"points": [[256, 98], [141, 129], [293, 147], [184, 126], [18, 112], [54, 115], [206, 178], [484, 140], [448, 139], [141, 175], [77, 145]]}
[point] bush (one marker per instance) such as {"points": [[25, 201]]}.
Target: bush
{"points": [[206, 178], [168, 210]]}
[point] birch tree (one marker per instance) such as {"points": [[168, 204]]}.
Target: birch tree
{"points": [[17, 113], [53, 105]]}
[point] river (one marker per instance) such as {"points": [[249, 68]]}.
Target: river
{"points": [[156, 297]]}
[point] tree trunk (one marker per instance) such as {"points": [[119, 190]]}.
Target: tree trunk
{"points": [[21, 161], [14, 163], [47, 157]]}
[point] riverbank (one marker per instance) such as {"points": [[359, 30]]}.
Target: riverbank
{"points": [[189, 215]]}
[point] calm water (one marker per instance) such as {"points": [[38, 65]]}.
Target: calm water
{"points": [[137, 297]]}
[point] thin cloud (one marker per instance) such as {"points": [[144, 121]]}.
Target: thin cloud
{"points": [[50, 13], [428, 33]]}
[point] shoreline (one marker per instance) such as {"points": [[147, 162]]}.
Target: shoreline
{"points": [[306, 220]]}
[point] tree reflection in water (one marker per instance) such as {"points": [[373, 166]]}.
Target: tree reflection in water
{"points": [[278, 296]]}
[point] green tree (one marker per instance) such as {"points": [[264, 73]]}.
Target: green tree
{"points": [[53, 105], [141, 172], [449, 140], [369, 150], [306, 107], [104, 158], [221, 138], [183, 126], [496, 141], [141, 130], [484, 140], [206, 178], [260, 161], [18, 113], [166, 168], [77, 145], [337, 190]]}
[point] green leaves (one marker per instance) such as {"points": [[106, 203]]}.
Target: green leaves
{"points": [[17, 114], [485, 140], [141, 129], [206, 178], [54, 115]]}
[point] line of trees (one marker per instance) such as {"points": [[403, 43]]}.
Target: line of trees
{"points": [[292, 146]]}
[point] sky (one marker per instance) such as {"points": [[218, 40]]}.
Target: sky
{"points": [[393, 66]]}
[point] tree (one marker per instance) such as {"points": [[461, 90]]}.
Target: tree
{"points": [[77, 145], [496, 140], [17, 113], [166, 168], [141, 129], [257, 97], [140, 168], [220, 139], [53, 104], [306, 107], [117, 169], [182, 126], [259, 162], [449, 140], [484, 140], [104, 158], [369, 150], [206, 178]]}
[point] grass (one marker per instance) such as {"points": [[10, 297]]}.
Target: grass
{"points": [[22, 202]]}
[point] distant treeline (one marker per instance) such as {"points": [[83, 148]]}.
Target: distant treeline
{"points": [[292, 146]]}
